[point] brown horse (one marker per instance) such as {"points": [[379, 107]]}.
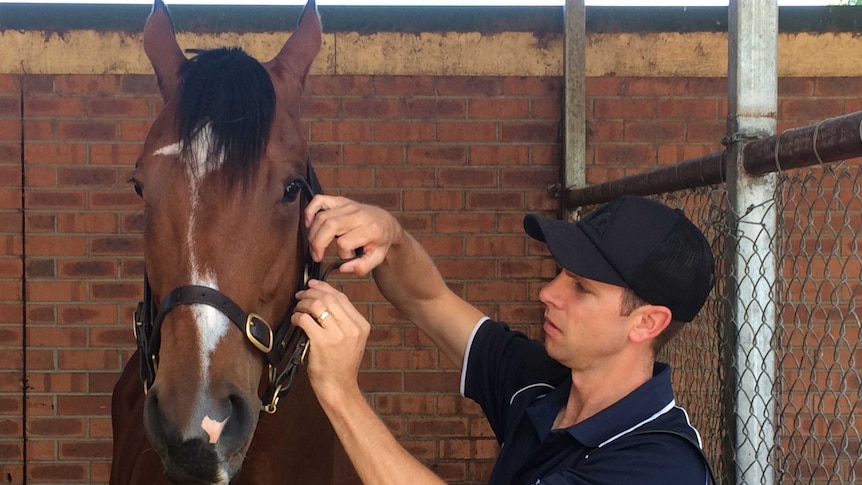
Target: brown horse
{"points": [[224, 174]]}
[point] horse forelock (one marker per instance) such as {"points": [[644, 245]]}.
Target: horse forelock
{"points": [[225, 112]]}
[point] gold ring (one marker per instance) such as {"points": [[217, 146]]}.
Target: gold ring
{"points": [[323, 316]]}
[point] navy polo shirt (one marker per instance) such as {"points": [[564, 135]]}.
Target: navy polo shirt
{"points": [[521, 390]]}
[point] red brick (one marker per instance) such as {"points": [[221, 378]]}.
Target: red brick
{"points": [[10, 83], [605, 86], [133, 130], [405, 359], [115, 154], [498, 108], [371, 108], [89, 268], [318, 107], [59, 153], [496, 291], [436, 155], [340, 131], [37, 84], [87, 176], [39, 177], [528, 177], [83, 405], [705, 131], [624, 154], [653, 131], [111, 337], [380, 381], [484, 246], [10, 107], [54, 427], [795, 86], [10, 153], [467, 131], [340, 85], [465, 268], [403, 404], [346, 177], [56, 199], [85, 84], [89, 450], [116, 245], [433, 200], [373, 155], [53, 106], [90, 314], [465, 223], [57, 473], [435, 108], [708, 86], [469, 86], [56, 246], [139, 84], [810, 109], [118, 108], [51, 291], [432, 381], [533, 86], [437, 426], [404, 85], [87, 222], [58, 382], [542, 108], [467, 177], [687, 108], [121, 200], [535, 132], [838, 86], [87, 130], [656, 86], [406, 178], [495, 200], [330, 154], [403, 131], [601, 131], [623, 108], [10, 130], [33, 129], [114, 291], [499, 154]]}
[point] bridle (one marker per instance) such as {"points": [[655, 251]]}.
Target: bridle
{"points": [[287, 339]]}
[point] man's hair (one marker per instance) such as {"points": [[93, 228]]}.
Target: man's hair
{"points": [[631, 301]]}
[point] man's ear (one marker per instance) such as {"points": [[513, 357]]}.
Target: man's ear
{"points": [[651, 321]]}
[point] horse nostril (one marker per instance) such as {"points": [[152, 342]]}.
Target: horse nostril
{"points": [[238, 426], [158, 428]]}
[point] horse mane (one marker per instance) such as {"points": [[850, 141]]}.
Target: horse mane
{"points": [[229, 93]]}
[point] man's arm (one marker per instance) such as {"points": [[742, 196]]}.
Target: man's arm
{"points": [[403, 270], [337, 344]]}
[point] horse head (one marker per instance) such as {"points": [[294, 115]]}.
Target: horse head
{"points": [[222, 175]]}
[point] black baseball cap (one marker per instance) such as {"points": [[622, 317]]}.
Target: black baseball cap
{"points": [[635, 243]]}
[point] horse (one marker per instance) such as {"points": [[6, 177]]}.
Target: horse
{"points": [[224, 176]]}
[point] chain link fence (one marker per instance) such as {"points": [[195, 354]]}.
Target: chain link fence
{"points": [[816, 395]]}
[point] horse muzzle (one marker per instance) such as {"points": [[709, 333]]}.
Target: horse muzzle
{"points": [[202, 449]]}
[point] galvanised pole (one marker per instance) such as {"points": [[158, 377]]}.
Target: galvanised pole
{"points": [[752, 107]]}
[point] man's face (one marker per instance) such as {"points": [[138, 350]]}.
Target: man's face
{"points": [[583, 326]]}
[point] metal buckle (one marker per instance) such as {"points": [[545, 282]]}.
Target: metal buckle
{"points": [[272, 407], [137, 320], [250, 322]]}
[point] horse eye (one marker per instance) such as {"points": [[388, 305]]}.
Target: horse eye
{"points": [[291, 192], [138, 189]]}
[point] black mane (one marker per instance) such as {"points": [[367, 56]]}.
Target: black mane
{"points": [[231, 92]]}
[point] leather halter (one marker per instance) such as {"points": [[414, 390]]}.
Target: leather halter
{"points": [[287, 340]]}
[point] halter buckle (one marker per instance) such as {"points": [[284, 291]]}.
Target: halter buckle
{"points": [[252, 324], [273, 404]]}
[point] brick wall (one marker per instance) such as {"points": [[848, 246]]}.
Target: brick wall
{"points": [[458, 159]]}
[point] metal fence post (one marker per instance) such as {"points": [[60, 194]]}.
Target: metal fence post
{"points": [[752, 106]]}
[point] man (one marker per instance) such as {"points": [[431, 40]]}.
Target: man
{"points": [[589, 406]]}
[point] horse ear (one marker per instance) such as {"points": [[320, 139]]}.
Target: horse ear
{"points": [[161, 47], [301, 48]]}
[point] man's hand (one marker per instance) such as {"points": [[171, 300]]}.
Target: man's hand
{"points": [[351, 225], [337, 333]]}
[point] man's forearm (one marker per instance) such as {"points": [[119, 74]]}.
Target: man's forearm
{"points": [[375, 453]]}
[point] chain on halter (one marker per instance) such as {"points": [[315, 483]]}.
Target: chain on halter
{"points": [[288, 339]]}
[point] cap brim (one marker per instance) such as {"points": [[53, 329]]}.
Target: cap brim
{"points": [[572, 249]]}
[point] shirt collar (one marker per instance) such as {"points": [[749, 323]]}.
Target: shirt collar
{"points": [[638, 407]]}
